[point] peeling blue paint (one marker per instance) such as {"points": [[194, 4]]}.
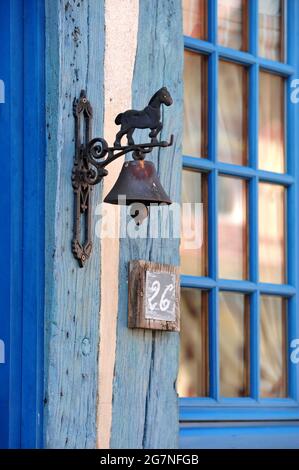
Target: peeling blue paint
{"points": [[74, 61], [145, 407]]}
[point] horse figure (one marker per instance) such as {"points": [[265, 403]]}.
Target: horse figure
{"points": [[148, 118]]}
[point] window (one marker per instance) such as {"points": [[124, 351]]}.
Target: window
{"points": [[238, 297]]}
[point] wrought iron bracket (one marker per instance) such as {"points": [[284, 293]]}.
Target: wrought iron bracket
{"points": [[92, 155]]}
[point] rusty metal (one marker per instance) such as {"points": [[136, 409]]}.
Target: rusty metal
{"points": [[138, 182], [148, 118], [138, 179], [82, 189]]}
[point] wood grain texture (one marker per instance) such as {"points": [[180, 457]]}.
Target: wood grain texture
{"points": [[145, 407], [137, 296], [120, 51], [74, 61]]}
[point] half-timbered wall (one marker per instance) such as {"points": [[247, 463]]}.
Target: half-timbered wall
{"points": [[121, 53]]}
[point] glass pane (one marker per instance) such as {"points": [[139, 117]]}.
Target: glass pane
{"points": [[193, 371], [195, 117], [272, 233], [273, 347], [234, 344], [193, 247], [232, 23], [271, 123], [232, 113], [232, 228], [194, 18], [271, 29]]}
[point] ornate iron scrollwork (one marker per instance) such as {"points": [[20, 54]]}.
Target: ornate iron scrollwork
{"points": [[91, 158], [81, 175]]}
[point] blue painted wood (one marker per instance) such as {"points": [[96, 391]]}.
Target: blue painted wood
{"points": [[5, 220], [285, 179], [33, 222], [292, 193], [282, 435], [212, 222], [294, 386], [213, 107], [74, 60], [145, 411], [253, 27], [209, 409], [279, 68], [284, 290], [237, 286], [213, 303], [197, 281], [199, 45], [246, 409], [213, 343], [247, 172], [212, 21], [197, 163], [240, 401], [22, 146], [253, 126], [255, 345], [240, 57], [16, 98]]}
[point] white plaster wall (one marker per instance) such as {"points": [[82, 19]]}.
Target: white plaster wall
{"points": [[121, 27]]}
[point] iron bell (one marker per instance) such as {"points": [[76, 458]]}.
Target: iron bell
{"points": [[138, 182]]}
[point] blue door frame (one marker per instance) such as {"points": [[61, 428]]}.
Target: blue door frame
{"points": [[198, 414], [22, 154]]}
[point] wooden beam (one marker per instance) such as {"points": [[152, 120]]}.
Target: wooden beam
{"points": [[74, 61], [145, 407]]}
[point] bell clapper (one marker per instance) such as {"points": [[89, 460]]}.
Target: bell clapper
{"points": [[138, 212]]}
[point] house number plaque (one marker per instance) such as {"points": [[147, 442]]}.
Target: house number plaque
{"points": [[153, 296]]}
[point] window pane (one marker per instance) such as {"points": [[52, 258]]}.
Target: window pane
{"points": [[194, 18], [195, 117], [234, 344], [271, 123], [193, 247], [271, 29], [232, 113], [272, 233], [232, 23], [232, 228], [273, 347], [193, 371]]}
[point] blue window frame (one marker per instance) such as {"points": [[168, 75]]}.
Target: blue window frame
{"points": [[22, 144], [253, 407]]}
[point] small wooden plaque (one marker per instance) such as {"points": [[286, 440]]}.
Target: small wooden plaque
{"points": [[154, 296]]}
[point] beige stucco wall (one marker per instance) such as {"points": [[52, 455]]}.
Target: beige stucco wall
{"points": [[120, 51]]}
